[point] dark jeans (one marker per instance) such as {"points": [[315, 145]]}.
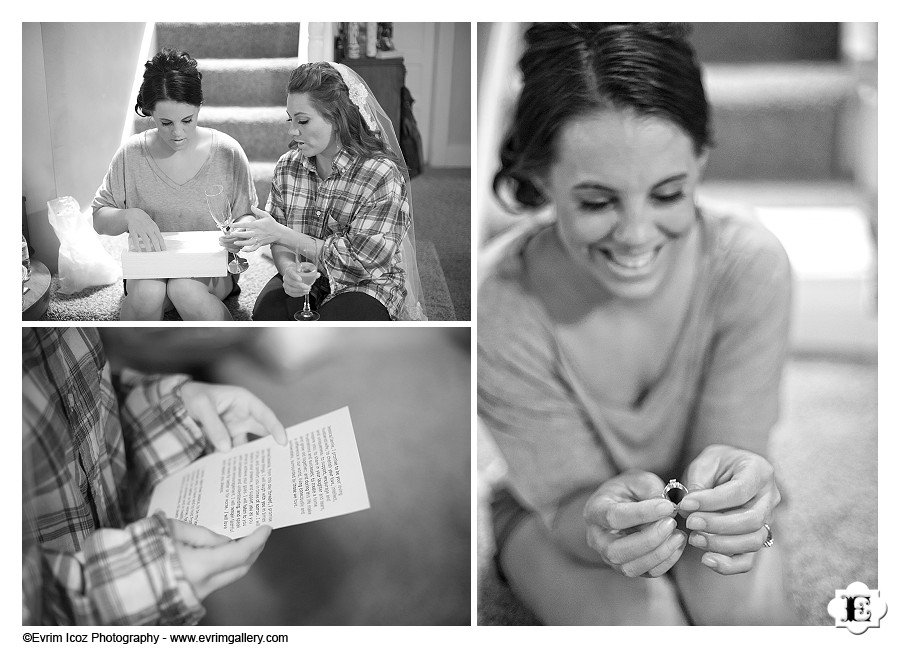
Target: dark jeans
{"points": [[273, 304]]}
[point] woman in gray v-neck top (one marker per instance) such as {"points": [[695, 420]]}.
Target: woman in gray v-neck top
{"points": [[138, 196], [630, 341]]}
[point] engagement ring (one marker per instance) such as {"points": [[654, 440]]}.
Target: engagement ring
{"points": [[674, 491], [770, 541]]}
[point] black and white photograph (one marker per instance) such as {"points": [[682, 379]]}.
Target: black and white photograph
{"points": [[391, 332], [110, 415], [246, 171], [677, 348]]}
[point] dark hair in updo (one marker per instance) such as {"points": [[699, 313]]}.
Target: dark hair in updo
{"points": [[331, 97], [572, 69], [169, 76]]}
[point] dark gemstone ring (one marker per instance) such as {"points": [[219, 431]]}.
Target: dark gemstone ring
{"points": [[674, 491]]}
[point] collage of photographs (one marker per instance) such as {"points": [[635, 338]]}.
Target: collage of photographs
{"points": [[410, 324]]}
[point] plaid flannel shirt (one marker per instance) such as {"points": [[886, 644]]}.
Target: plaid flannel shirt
{"points": [[361, 211], [93, 448]]}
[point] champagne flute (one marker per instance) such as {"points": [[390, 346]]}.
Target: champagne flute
{"points": [[307, 260], [221, 213]]}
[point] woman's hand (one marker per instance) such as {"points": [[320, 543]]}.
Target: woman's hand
{"points": [[632, 527], [211, 561], [732, 494], [227, 414], [234, 244], [294, 286], [143, 233], [265, 230]]}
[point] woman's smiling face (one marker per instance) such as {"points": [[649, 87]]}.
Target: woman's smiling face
{"points": [[623, 187]]}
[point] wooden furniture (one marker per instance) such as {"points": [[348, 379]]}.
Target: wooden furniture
{"points": [[385, 78], [34, 302]]}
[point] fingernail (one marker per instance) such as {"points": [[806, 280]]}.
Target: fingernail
{"points": [[668, 525], [695, 523], [665, 507], [689, 505], [709, 561], [698, 540], [677, 541]]}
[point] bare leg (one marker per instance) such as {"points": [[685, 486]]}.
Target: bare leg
{"points": [[146, 300], [201, 298], [563, 591], [755, 598]]}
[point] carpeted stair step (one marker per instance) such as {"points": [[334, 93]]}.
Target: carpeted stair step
{"points": [[262, 172], [778, 121], [231, 40], [758, 42], [834, 308], [246, 82]]}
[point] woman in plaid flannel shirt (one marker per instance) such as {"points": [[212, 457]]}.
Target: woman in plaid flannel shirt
{"points": [[94, 446], [342, 188]]}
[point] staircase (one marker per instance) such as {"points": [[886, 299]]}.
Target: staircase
{"points": [[792, 123], [245, 67]]}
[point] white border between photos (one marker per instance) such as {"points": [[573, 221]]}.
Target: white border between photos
{"points": [[472, 11]]}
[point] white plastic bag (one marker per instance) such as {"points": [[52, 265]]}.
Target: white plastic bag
{"points": [[83, 261]]}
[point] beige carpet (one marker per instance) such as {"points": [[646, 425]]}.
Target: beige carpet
{"points": [[103, 303], [825, 453]]}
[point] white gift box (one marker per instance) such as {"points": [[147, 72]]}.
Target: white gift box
{"points": [[187, 254]]}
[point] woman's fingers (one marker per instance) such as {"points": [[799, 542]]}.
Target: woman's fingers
{"points": [[203, 410], [158, 239], [211, 568], [728, 565], [293, 286], [259, 213], [195, 536], [735, 492], [730, 545], [632, 547], [677, 544], [612, 514], [723, 478], [741, 520], [265, 419]]}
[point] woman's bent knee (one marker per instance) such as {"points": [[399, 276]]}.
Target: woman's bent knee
{"points": [[757, 597], [562, 590], [145, 300]]}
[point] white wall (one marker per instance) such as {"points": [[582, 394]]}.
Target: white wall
{"points": [[76, 92], [417, 42], [451, 105]]}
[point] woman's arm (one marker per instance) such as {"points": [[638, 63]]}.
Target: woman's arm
{"points": [[130, 576], [733, 486], [739, 397], [112, 216], [368, 246], [556, 463], [141, 228]]}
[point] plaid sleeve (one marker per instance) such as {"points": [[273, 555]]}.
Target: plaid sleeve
{"points": [[275, 201], [367, 248], [160, 437], [130, 576]]}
